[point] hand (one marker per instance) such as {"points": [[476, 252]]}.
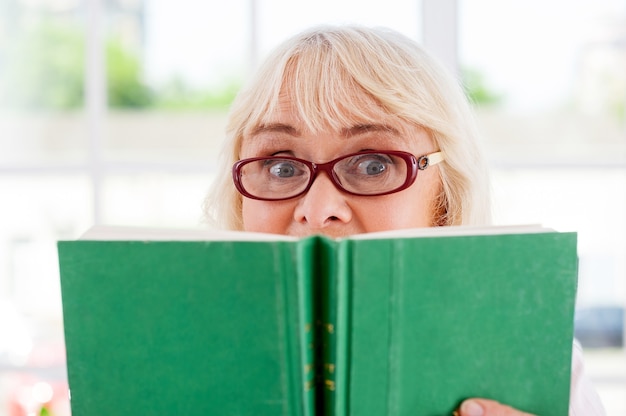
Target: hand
{"points": [[484, 407]]}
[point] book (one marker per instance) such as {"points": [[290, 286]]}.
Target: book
{"points": [[194, 322]]}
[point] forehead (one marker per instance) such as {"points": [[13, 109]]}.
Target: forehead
{"points": [[286, 131]]}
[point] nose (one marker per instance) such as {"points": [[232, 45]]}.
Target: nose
{"points": [[323, 205]]}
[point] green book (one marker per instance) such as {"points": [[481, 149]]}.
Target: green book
{"points": [[161, 322]]}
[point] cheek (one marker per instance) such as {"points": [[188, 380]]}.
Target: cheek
{"points": [[266, 217], [400, 214], [412, 208]]}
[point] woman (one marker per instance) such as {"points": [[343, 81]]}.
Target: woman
{"points": [[349, 130]]}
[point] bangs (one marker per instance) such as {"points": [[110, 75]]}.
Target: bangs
{"points": [[325, 95], [321, 91]]}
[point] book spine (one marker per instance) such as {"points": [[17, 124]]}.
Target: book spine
{"points": [[332, 327], [307, 293], [325, 283], [340, 320], [327, 324]]}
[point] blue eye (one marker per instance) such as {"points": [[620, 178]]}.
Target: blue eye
{"points": [[283, 169], [371, 167]]}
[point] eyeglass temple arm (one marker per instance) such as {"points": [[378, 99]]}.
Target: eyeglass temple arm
{"points": [[431, 159]]}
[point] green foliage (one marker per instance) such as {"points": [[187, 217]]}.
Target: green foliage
{"points": [[125, 86], [477, 89], [44, 69], [176, 95]]}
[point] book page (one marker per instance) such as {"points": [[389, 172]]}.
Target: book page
{"points": [[127, 233], [457, 230]]}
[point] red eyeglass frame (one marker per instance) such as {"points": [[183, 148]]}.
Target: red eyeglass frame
{"points": [[414, 164]]}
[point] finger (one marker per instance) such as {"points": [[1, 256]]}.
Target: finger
{"points": [[484, 407]]}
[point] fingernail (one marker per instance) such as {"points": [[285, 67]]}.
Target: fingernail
{"points": [[471, 408]]}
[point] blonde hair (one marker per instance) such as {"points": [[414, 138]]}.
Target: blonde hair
{"points": [[324, 69]]}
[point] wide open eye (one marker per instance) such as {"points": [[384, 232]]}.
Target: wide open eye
{"points": [[369, 164], [272, 178], [281, 168], [370, 167], [371, 173]]}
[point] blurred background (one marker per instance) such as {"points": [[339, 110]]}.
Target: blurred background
{"points": [[112, 112]]}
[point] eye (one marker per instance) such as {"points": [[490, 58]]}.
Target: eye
{"points": [[283, 168], [371, 165]]}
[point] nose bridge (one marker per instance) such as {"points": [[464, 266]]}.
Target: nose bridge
{"points": [[327, 168], [324, 203]]}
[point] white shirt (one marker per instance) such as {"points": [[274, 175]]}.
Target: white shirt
{"points": [[584, 400]]}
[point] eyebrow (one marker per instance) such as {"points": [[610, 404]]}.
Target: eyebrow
{"points": [[368, 128], [275, 128], [346, 132]]}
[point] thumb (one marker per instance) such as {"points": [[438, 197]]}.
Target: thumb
{"points": [[484, 407]]}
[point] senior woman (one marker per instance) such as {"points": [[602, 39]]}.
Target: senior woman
{"points": [[348, 130]]}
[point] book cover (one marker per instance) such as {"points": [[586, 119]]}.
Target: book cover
{"points": [[244, 324]]}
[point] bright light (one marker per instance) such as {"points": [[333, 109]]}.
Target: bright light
{"points": [[42, 392]]}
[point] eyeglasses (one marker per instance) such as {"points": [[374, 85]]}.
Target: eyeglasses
{"points": [[368, 173]]}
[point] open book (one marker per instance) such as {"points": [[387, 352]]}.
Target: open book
{"points": [[411, 322]]}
